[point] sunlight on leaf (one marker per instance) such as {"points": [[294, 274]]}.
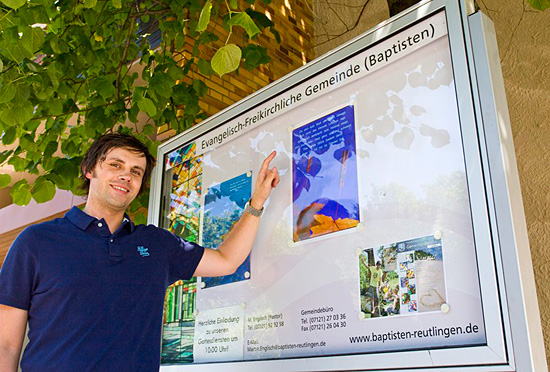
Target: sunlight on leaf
{"points": [[226, 59], [204, 18], [21, 193], [5, 180], [43, 190], [242, 19], [15, 4], [145, 104]]}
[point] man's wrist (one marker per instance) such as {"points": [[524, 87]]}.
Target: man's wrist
{"points": [[255, 204], [251, 209]]}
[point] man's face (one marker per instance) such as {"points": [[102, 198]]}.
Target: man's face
{"points": [[115, 181]]}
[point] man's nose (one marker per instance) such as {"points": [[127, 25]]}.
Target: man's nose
{"points": [[124, 176]]}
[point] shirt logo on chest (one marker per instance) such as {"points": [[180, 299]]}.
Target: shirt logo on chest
{"points": [[143, 251]]}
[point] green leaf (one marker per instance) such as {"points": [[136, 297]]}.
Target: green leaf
{"points": [[51, 148], [21, 193], [162, 84], [260, 18], [22, 93], [9, 136], [146, 105], [9, 118], [27, 143], [4, 155], [226, 59], [242, 19], [43, 190], [14, 4], [148, 129], [31, 126], [5, 180], [7, 92], [18, 163], [118, 4], [90, 3], [65, 173], [539, 4], [200, 87], [233, 4], [33, 39], [24, 112], [276, 34], [56, 107], [104, 86], [204, 18], [205, 68]]}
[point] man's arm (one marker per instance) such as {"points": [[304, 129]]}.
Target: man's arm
{"points": [[13, 322], [236, 247]]}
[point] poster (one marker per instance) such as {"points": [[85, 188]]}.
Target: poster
{"points": [[223, 206], [183, 219], [186, 170], [324, 175], [367, 244]]}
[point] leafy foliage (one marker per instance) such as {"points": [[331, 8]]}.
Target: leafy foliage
{"points": [[66, 76]]}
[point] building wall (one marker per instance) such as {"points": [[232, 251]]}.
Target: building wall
{"points": [[522, 35]]}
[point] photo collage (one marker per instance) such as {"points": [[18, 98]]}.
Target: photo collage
{"points": [[402, 278]]}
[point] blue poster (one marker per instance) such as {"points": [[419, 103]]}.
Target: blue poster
{"points": [[223, 206], [324, 176]]}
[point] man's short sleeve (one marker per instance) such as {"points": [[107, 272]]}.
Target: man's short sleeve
{"points": [[185, 258], [19, 273]]}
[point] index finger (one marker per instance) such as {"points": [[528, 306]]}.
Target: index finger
{"points": [[265, 164]]}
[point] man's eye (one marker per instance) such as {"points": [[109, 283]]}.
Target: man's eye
{"points": [[115, 165], [137, 173]]}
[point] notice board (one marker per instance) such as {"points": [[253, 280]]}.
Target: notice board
{"points": [[375, 250]]}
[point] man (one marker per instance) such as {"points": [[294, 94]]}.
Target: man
{"points": [[375, 275], [91, 285]]}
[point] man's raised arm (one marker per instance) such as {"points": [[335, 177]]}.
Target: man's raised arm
{"points": [[236, 247], [13, 322]]}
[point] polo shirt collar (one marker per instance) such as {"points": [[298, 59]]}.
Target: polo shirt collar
{"points": [[82, 220]]}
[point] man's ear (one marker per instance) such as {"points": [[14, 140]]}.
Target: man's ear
{"points": [[89, 174]]}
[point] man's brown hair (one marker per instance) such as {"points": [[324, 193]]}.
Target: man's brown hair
{"points": [[101, 147]]}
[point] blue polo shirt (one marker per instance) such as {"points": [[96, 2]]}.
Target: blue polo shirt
{"points": [[95, 299]]}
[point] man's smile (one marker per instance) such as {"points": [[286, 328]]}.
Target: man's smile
{"points": [[120, 188]]}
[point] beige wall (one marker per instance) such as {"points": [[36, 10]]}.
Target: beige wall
{"points": [[522, 35], [525, 55]]}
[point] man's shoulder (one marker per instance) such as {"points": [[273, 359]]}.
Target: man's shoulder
{"points": [[44, 227]]}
